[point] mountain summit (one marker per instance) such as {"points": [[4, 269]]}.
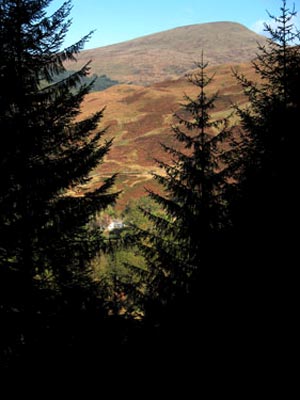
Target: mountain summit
{"points": [[170, 54]]}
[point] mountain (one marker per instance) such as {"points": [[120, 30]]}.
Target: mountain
{"points": [[170, 54], [139, 119]]}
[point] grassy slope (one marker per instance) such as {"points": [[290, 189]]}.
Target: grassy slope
{"points": [[169, 54], [139, 119]]}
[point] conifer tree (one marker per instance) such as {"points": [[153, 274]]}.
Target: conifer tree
{"points": [[180, 248], [265, 210], [47, 152], [267, 182]]}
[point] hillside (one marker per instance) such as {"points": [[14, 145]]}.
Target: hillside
{"points": [[139, 119], [169, 54]]}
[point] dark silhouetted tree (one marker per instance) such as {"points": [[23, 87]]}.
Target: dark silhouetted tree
{"points": [[265, 205], [182, 248], [47, 152], [267, 182]]}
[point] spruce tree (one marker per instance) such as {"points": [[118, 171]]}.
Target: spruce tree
{"points": [[183, 247], [267, 204], [265, 210], [46, 155]]}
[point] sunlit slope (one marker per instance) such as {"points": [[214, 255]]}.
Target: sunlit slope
{"points": [[169, 54], [139, 119]]}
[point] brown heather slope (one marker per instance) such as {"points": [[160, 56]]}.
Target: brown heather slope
{"points": [[169, 54], [139, 119]]}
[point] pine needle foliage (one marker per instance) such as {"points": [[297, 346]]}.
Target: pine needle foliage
{"points": [[47, 153], [179, 246]]}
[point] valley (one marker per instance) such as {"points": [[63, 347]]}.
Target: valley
{"points": [[149, 84]]}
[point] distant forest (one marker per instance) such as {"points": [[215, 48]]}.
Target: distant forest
{"points": [[97, 83], [203, 269]]}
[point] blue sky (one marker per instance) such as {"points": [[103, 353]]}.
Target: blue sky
{"points": [[120, 20]]}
